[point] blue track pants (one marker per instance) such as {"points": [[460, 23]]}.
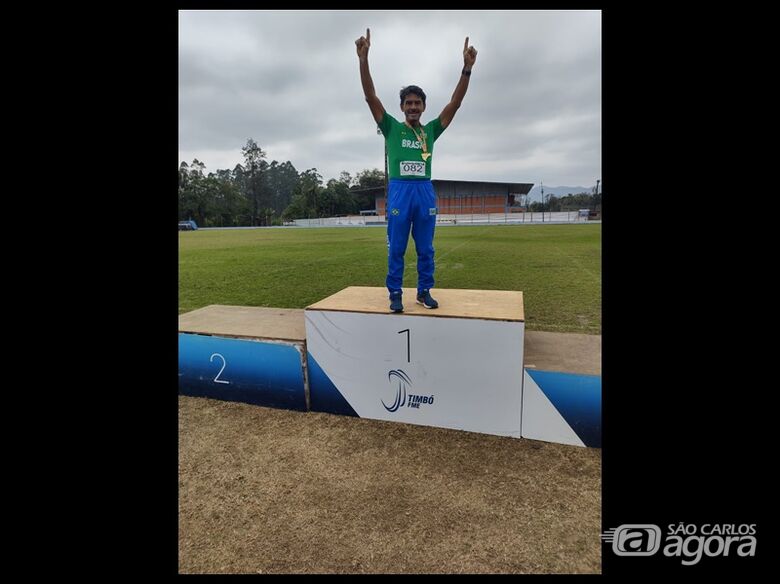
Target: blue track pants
{"points": [[411, 204]]}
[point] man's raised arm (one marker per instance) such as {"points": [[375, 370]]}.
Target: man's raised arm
{"points": [[376, 107], [469, 58]]}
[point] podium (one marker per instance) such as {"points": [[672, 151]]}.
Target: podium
{"points": [[562, 388], [242, 353], [467, 365], [458, 366]]}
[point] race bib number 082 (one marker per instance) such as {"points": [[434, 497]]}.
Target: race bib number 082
{"points": [[412, 168]]}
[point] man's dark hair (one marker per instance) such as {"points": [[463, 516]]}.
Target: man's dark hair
{"points": [[412, 89]]}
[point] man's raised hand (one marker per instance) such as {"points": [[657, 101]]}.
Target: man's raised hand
{"points": [[469, 54], [363, 43]]}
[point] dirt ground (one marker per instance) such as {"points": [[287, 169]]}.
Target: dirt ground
{"points": [[265, 490]]}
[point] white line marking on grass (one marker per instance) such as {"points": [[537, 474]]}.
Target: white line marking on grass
{"points": [[437, 258], [577, 263]]}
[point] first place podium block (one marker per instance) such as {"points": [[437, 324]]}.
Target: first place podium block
{"points": [[459, 366]]}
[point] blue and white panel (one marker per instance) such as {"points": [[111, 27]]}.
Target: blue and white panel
{"points": [[264, 373], [456, 373], [562, 407]]}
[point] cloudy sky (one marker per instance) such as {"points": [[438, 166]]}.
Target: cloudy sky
{"points": [[290, 81]]}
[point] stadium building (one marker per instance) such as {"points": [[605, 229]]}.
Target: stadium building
{"points": [[462, 196]]}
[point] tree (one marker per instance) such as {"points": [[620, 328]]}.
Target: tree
{"points": [[184, 178], [366, 180], [193, 194], [281, 180], [258, 193], [305, 196], [230, 204], [344, 201], [255, 165]]}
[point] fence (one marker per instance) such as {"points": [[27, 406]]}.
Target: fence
{"points": [[452, 219]]}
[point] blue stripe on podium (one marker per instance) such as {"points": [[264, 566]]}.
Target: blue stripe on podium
{"points": [[577, 398], [254, 372], [323, 394]]}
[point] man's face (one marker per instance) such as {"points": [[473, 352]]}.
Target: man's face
{"points": [[413, 107]]}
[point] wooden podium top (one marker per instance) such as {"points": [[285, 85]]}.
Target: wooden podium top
{"points": [[453, 303], [252, 322]]}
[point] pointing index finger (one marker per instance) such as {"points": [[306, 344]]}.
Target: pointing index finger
{"points": [[466, 44], [368, 35]]}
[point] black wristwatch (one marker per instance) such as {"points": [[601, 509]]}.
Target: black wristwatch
{"points": [[464, 72]]}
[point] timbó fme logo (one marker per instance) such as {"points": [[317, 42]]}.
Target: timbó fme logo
{"points": [[401, 381], [689, 542]]}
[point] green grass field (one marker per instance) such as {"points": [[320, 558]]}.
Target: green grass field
{"points": [[558, 267]]}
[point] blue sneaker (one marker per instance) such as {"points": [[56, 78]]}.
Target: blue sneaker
{"points": [[395, 301], [424, 297]]}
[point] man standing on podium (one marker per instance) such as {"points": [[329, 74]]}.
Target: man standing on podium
{"points": [[411, 201]]}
